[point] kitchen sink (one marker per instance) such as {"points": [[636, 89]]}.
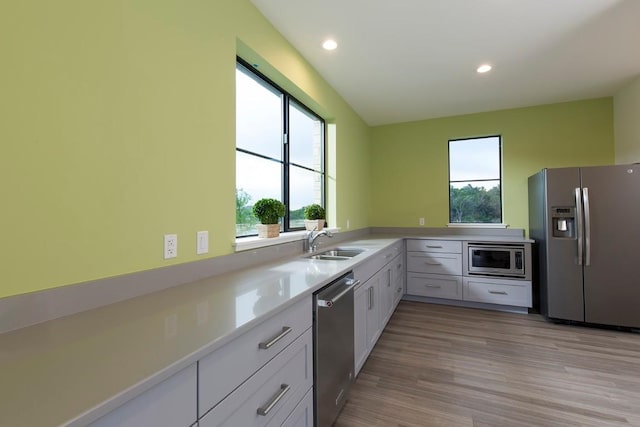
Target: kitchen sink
{"points": [[337, 254]]}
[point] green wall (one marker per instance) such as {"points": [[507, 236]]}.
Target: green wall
{"points": [[410, 160], [118, 126]]}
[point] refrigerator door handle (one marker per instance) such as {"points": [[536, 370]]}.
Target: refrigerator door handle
{"points": [[579, 224], [587, 227]]}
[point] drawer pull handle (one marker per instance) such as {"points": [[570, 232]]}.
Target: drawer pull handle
{"points": [[433, 286], [268, 345], [434, 247], [264, 410], [432, 263], [498, 292], [399, 266]]}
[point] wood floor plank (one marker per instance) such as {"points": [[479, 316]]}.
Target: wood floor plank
{"points": [[438, 365]]}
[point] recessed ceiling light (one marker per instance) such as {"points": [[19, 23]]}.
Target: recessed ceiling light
{"points": [[484, 68], [329, 44]]}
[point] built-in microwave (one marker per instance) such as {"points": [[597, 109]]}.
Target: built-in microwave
{"points": [[489, 259]]}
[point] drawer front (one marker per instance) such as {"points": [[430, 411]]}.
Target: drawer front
{"points": [[434, 263], [302, 415], [432, 285], [497, 291], [271, 395], [428, 245], [224, 369], [366, 270]]}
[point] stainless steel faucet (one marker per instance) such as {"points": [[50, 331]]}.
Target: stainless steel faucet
{"points": [[313, 236]]}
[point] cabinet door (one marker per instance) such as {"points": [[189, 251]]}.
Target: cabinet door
{"points": [[386, 296], [374, 325], [361, 307], [170, 403]]}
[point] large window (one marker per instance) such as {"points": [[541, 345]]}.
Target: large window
{"points": [[475, 180], [279, 151]]}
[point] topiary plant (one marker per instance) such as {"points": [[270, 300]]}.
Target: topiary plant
{"points": [[268, 211], [314, 211]]}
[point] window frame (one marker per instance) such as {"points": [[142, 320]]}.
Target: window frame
{"points": [[500, 180], [287, 100]]}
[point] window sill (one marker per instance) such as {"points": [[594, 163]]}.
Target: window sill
{"points": [[254, 242], [476, 225]]}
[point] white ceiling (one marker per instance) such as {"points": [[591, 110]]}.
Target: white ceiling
{"points": [[407, 60]]}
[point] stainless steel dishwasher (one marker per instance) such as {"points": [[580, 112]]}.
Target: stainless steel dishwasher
{"points": [[333, 348]]}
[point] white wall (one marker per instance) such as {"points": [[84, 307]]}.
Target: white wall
{"points": [[626, 107]]}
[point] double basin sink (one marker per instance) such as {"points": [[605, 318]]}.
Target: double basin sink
{"points": [[337, 254]]}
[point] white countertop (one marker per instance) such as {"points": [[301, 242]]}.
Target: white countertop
{"points": [[68, 371]]}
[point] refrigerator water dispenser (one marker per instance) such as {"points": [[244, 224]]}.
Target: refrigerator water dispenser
{"points": [[563, 221]]}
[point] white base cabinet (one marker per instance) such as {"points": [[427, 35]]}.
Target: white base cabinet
{"points": [[366, 320], [375, 299], [272, 393], [435, 270]]}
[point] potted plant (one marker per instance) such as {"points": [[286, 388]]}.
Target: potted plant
{"points": [[268, 212], [314, 217]]}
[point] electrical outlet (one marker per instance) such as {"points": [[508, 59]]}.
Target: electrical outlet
{"points": [[170, 246], [421, 221], [202, 242], [348, 224]]}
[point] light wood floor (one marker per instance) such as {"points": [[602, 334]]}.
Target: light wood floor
{"points": [[448, 366]]}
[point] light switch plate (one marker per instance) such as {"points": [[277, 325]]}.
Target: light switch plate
{"points": [[202, 242]]}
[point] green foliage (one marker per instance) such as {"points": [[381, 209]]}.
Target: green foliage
{"points": [[474, 205], [314, 211], [298, 214], [269, 211], [244, 214]]}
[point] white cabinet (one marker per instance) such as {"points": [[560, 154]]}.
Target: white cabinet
{"points": [[170, 403], [261, 377], [366, 321], [375, 299], [271, 395], [434, 268], [223, 370]]}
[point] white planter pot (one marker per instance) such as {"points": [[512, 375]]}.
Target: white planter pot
{"points": [[268, 230], [314, 224]]}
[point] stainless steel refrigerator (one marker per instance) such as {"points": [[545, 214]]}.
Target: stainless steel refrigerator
{"points": [[586, 224]]}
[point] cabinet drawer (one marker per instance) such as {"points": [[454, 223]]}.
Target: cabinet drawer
{"points": [[428, 245], [434, 263], [276, 389], [433, 285], [497, 291], [222, 371], [302, 415], [366, 270]]}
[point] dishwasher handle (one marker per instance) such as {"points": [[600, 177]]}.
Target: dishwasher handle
{"points": [[328, 303]]}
